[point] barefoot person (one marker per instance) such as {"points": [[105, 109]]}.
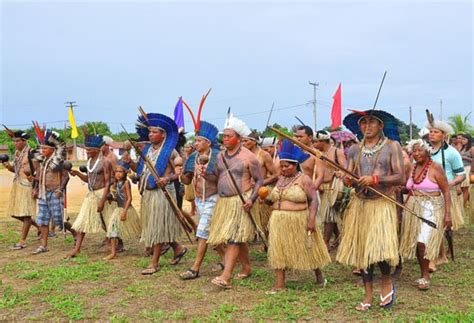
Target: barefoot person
{"points": [[369, 236], [160, 224], [52, 181], [231, 223], [269, 175], [124, 222], [200, 171], [329, 215], [295, 241], [91, 217], [428, 196], [21, 204]]}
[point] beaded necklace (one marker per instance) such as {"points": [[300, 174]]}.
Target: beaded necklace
{"points": [[18, 160], [370, 152], [422, 174]]}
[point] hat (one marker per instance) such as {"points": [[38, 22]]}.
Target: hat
{"points": [[17, 134], [236, 125], [292, 153], [440, 125], [253, 135], [207, 131], [423, 132], [322, 135], [268, 142], [93, 141], [390, 123], [46, 137], [423, 144], [107, 140]]}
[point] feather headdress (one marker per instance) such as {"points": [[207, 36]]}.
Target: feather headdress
{"points": [[438, 124], [236, 124]]}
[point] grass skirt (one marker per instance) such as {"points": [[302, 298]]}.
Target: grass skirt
{"points": [[128, 229], [88, 220], [290, 247], [369, 233], [466, 182], [457, 209], [326, 211], [159, 223], [430, 208], [262, 212], [21, 203], [230, 223]]}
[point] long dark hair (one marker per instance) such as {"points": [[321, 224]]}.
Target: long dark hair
{"points": [[468, 146]]}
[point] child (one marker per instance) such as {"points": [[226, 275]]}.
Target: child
{"points": [[125, 222]]}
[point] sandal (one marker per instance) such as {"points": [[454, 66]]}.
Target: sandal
{"points": [[241, 276], [189, 274], [423, 284], [177, 258], [274, 291], [217, 267], [150, 270], [221, 283], [40, 249], [164, 249], [356, 272], [384, 298], [18, 246], [363, 307]]}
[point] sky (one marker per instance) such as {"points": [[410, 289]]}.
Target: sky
{"points": [[112, 56]]}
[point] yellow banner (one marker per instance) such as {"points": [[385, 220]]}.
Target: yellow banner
{"points": [[72, 122]]}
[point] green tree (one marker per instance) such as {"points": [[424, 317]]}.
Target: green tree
{"points": [[269, 133], [461, 124]]}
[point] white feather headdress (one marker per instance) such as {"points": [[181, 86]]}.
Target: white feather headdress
{"points": [[423, 144], [237, 125], [440, 125]]}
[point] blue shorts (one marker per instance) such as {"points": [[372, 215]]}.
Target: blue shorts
{"points": [[51, 207], [205, 208]]}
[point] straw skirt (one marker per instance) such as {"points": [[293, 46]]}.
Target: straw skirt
{"points": [[457, 209], [290, 247], [466, 182], [369, 233], [128, 229], [414, 231], [21, 203], [262, 212], [159, 223], [230, 223], [89, 220], [326, 211]]}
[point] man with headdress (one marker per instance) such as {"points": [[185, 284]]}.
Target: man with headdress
{"points": [[21, 204], [94, 209], [327, 188], [239, 175], [200, 171], [269, 176], [369, 236], [52, 180], [160, 225], [451, 161]]}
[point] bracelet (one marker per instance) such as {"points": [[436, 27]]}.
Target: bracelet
{"points": [[376, 179]]}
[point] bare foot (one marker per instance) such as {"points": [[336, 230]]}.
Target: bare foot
{"points": [[109, 257], [72, 254], [441, 261]]}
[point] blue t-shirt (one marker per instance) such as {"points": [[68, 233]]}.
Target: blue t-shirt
{"points": [[452, 162]]}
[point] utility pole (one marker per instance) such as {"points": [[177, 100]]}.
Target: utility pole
{"points": [[315, 86], [441, 109], [72, 104], [411, 124]]}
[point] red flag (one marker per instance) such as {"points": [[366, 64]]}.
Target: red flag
{"points": [[336, 114]]}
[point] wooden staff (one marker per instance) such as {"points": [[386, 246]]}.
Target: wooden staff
{"points": [[348, 173], [177, 212]]}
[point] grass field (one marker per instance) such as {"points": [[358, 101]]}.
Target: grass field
{"points": [[46, 287]]}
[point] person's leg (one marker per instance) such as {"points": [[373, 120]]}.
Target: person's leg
{"points": [[179, 251], [44, 235], [231, 255], [200, 253], [387, 284], [25, 229], [113, 249], [327, 233], [367, 278], [280, 279], [319, 277], [465, 195], [155, 259], [244, 260], [77, 247]]}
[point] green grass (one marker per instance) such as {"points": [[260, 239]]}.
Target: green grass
{"points": [[11, 299], [68, 305]]}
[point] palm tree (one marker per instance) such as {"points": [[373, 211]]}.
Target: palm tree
{"points": [[461, 124]]}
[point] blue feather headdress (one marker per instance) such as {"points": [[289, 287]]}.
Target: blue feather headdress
{"points": [[208, 131], [156, 120], [291, 152], [93, 141], [390, 128]]}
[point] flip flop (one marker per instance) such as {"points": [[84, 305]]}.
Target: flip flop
{"points": [[383, 298], [18, 246], [221, 283], [164, 249], [241, 276], [40, 249], [363, 307], [189, 274], [150, 271], [178, 257], [274, 291], [424, 284]]}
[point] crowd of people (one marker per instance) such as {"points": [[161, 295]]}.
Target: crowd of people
{"points": [[367, 199]]}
